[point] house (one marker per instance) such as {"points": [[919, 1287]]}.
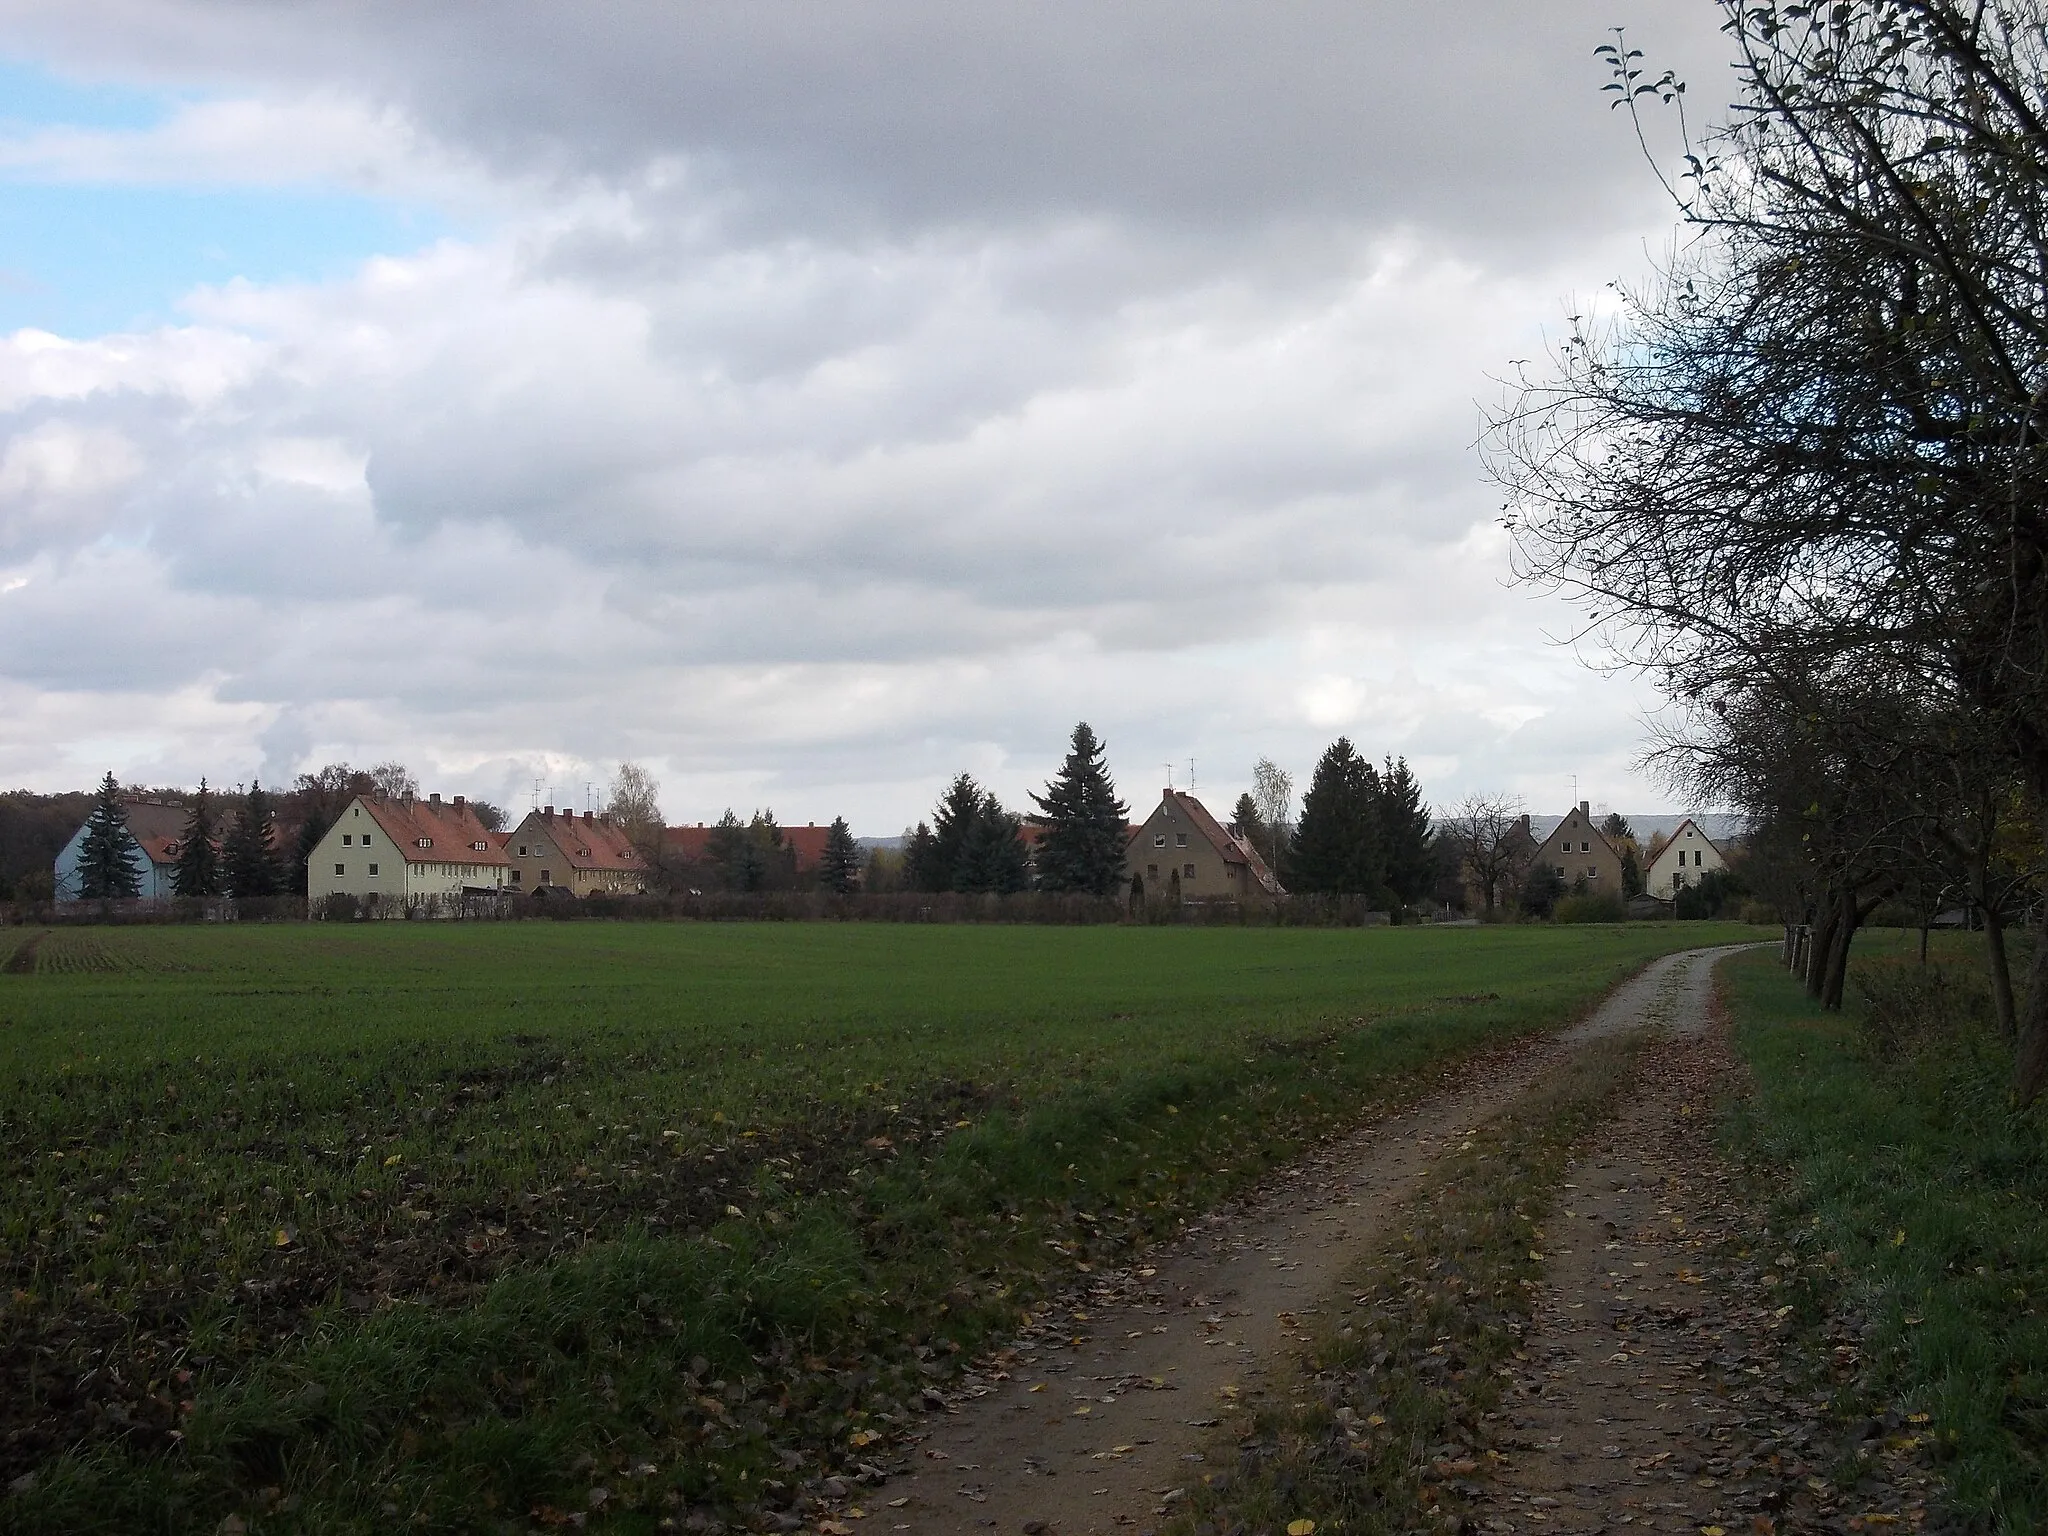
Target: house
{"points": [[1504, 861], [1181, 846], [1681, 862], [584, 856], [1577, 851], [404, 856], [156, 825]]}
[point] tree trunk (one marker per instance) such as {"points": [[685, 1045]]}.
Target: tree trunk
{"points": [[1925, 923], [1790, 953], [2000, 966], [1821, 948], [1835, 971], [2030, 1069]]}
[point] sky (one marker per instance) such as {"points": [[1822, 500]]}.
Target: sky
{"points": [[808, 401]]}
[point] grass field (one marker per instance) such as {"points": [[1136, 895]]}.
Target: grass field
{"points": [[479, 1226], [1917, 1209]]}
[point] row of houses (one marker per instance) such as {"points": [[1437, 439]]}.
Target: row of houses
{"points": [[411, 854], [1577, 849]]}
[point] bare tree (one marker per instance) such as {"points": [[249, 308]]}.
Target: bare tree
{"points": [[393, 781], [636, 805], [1493, 842], [1273, 793]]}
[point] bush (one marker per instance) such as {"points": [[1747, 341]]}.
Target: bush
{"points": [[1761, 913], [1912, 1010], [1590, 909]]}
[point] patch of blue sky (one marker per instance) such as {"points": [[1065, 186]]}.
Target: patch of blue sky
{"points": [[84, 259]]}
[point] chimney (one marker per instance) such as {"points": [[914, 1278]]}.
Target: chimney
{"points": [[586, 816], [1525, 821], [548, 811], [435, 797], [458, 802], [1586, 809]]}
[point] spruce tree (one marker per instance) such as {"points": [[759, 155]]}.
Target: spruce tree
{"points": [[198, 871], [108, 857], [921, 870], [1337, 848], [248, 854], [1405, 834], [953, 823], [839, 868], [1083, 845], [992, 857]]}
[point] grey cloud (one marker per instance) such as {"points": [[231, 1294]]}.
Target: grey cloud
{"points": [[1479, 115]]}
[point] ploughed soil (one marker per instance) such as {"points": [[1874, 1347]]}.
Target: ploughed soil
{"points": [[1101, 1416]]}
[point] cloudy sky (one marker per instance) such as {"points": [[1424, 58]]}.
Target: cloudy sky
{"points": [[810, 400]]}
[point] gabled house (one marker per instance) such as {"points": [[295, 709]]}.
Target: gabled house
{"points": [[692, 845], [581, 856], [1577, 851], [1683, 861], [1180, 846], [400, 856], [156, 825]]}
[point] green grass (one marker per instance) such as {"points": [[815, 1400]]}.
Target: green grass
{"points": [[1919, 1204], [337, 1227]]}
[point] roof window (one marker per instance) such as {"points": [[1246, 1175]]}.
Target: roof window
{"points": [[423, 842]]}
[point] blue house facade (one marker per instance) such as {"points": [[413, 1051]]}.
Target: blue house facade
{"points": [[155, 825]]}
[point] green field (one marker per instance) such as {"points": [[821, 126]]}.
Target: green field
{"points": [[331, 1228]]}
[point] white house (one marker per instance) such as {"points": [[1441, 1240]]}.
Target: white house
{"points": [[400, 856], [1681, 862], [155, 826]]}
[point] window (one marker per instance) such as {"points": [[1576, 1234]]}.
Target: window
{"points": [[1696, 857], [1158, 839], [516, 877], [1592, 871], [345, 840], [373, 869], [423, 842], [1180, 839], [1688, 834], [522, 850], [1188, 872], [1585, 847], [546, 878], [1560, 871], [1152, 870], [477, 847], [339, 870]]}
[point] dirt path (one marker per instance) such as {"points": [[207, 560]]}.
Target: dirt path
{"points": [[1093, 1422], [1655, 1392]]}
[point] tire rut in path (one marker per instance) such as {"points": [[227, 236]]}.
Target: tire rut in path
{"points": [[1092, 1421]]}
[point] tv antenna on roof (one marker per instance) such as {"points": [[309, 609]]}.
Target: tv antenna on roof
{"points": [[536, 794], [1169, 776], [589, 798], [1191, 774]]}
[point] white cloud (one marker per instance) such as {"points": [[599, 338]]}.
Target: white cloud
{"points": [[806, 508]]}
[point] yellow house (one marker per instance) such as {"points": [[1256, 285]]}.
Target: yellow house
{"points": [[1681, 862], [1180, 846], [1577, 850], [405, 856], [579, 855]]}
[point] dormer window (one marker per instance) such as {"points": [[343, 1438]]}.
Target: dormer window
{"points": [[478, 847], [423, 842]]}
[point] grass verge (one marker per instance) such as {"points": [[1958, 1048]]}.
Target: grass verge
{"points": [[1919, 1200], [1393, 1423]]}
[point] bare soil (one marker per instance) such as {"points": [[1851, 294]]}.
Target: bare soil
{"points": [[1099, 1417]]}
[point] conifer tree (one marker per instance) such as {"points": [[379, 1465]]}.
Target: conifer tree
{"points": [[992, 857], [198, 871], [921, 862], [1405, 834], [839, 869], [1083, 845], [248, 852], [953, 822], [1337, 846], [108, 857]]}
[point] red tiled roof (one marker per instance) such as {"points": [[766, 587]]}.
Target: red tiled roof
{"points": [[450, 829], [693, 844], [586, 841], [157, 826], [1232, 848]]}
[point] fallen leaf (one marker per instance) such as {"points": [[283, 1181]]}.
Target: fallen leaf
{"points": [[862, 1437], [393, 1160], [285, 1237], [1083, 1411], [1301, 1528]]}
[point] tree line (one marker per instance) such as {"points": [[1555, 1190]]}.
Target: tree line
{"points": [[1800, 477]]}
